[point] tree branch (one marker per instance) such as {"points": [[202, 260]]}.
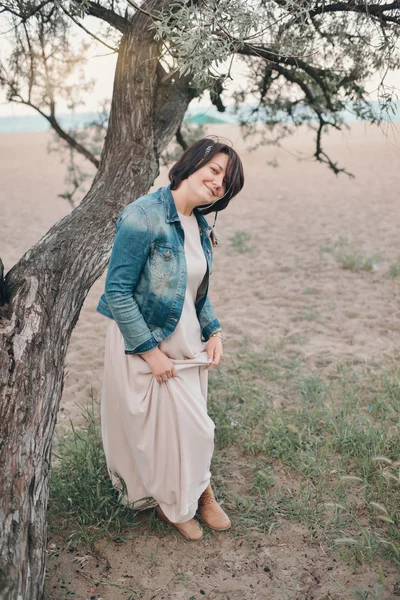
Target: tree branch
{"points": [[107, 15], [374, 10], [291, 76], [94, 10], [180, 139], [215, 94], [316, 73], [24, 16], [262, 52], [170, 98], [321, 155], [246, 49], [139, 9], [71, 141], [59, 130], [3, 294], [87, 31], [153, 16]]}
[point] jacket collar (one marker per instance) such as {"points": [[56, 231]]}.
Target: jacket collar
{"points": [[170, 208], [172, 214]]}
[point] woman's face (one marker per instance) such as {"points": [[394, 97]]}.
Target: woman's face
{"points": [[208, 183]]}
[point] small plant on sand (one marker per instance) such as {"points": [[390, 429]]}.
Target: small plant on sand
{"points": [[394, 269], [239, 241], [350, 258], [308, 314], [309, 291], [327, 249], [353, 260]]}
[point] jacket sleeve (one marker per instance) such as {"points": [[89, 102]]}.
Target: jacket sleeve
{"points": [[128, 257], [208, 321]]}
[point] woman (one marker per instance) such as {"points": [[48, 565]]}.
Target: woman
{"points": [[162, 339]]}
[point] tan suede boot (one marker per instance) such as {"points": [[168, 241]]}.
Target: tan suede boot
{"points": [[191, 530], [211, 512]]}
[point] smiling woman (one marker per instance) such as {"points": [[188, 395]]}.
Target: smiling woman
{"points": [[217, 168], [162, 339]]}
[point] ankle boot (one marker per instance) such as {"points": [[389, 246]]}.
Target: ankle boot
{"points": [[211, 512], [191, 530]]}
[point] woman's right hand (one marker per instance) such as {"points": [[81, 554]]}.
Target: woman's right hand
{"points": [[160, 364]]}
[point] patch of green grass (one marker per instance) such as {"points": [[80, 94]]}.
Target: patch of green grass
{"points": [[327, 249], [353, 260], [331, 461], [263, 479], [308, 314], [394, 269], [309, 291], [350, 258], [340, 444], [312, 389], [296, 338], [239, 241], [82, 498], [377, 592]]}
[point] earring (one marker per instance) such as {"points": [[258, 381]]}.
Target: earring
{"points": [[213, 233]]}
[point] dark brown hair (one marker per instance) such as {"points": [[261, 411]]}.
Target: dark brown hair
{"points": [[201, 153]]}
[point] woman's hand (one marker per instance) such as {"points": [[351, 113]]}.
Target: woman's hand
{"points": [[214, 350], [160, 364]]}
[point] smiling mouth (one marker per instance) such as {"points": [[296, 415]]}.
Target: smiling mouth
{"points": [[211, 192]]}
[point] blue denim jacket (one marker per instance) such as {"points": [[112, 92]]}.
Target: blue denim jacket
{"points": [[147, 277]]}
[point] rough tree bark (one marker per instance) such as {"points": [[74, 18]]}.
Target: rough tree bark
{"points": [[43, 294]]}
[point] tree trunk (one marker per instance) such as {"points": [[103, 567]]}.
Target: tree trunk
{"points": [[43, 294]]}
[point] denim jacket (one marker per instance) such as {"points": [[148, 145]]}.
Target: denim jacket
{"points": [[147, 275]]}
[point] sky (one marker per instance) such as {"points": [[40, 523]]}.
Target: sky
{"points": [[101, 67]]}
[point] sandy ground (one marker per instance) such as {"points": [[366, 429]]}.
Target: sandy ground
{"points": [[285, 289], [291, 212]]}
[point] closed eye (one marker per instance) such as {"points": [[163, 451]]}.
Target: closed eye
{"points": [[216, 172]]}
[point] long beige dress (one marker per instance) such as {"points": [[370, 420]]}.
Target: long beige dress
{"points": [[158, 438]]}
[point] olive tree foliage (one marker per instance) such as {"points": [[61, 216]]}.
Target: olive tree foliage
{"points": [[306, 62]]}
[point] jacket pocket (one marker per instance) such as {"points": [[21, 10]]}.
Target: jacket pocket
{"points": [[162, 261]]}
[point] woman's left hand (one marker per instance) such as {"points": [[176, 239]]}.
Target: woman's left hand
{"points": [[214, 350]]}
